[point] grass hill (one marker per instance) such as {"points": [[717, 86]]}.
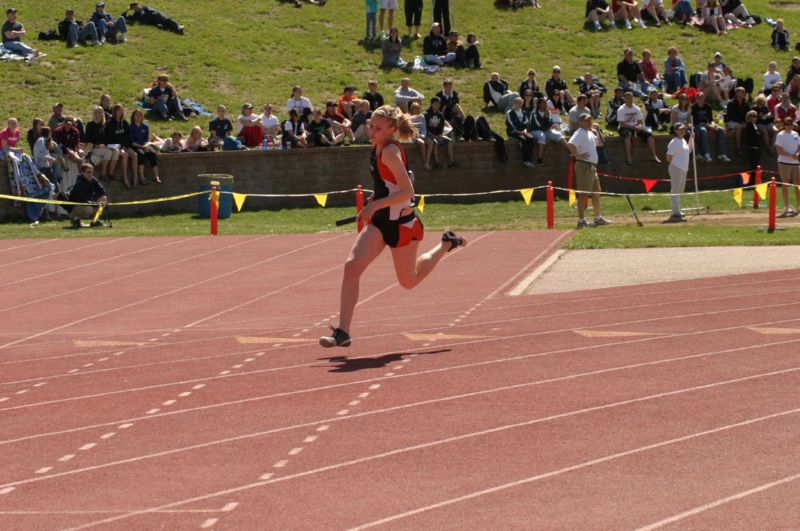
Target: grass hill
{"points": [[256, 51]]}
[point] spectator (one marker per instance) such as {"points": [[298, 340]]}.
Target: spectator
{"points": [[107, 27], [140, 136], [391, 48], [726, 85], [435, 124], [44, 153], [75, 32], [528, 102], [390, 6], [13, 32], [451, 108], [441, 14], [57, 118], [752, 141], [710, 84], [495, 92], [771, 76], [87, 189], [270, 125], [34, 132], [9, 138], [703, 119], [556, 107], [173, 144], [583, 147], [118, 134], [372, 95], [100, 154], [360, 123], [581, 107], [471, 52], [654, 10], [681, 112], [195, 141], [418, 120], [630, 75], [780, 37], [371, 9], [219, 128], [517, 125], [631, 123], [678, 153], [144, 14], [717, 61], [712, 17], [764, 120], [543, 129], [164, 98], [454, 46], [347, 102], [775, 98], [658, 114], [597, 10], [434, 47], [248, 127], [787, 143], [404, 95], [105, 103], [736, 116], [627, 10], [736, 11], [650, 69], [682, 11], [319, 132], [556, 84], [674, 71], [69, 138], [592, 90], [294, 134], [792, 83], [339, 123], [300, 103], [530, 83], [784, 110], [614, 104], [413, 9]]}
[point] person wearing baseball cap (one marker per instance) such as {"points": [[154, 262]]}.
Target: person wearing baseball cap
{"points": [[144, 14], [106, 26], [13, 32]]}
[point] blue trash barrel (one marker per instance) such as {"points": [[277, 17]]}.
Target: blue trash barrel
{"points": [[225, 200]]}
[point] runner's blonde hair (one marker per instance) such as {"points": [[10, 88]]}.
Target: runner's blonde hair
{"points": [[398, 119]]}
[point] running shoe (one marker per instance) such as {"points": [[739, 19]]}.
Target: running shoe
{"points": [[582, 223], [724, 158], [454, 239], [600, 220], [338, 338]]}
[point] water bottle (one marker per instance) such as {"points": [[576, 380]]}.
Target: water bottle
{"points": [[264, 145]]}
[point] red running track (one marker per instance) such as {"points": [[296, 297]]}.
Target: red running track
{"points": [[176, 383]]}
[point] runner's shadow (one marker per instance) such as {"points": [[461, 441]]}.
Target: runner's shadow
{"points": [[360, 364]]}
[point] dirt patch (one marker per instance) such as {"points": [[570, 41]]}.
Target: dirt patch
{"points": [[789, 6]]}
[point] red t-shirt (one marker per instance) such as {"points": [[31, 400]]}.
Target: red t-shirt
{"points": [[649, 69], [12, 137]]}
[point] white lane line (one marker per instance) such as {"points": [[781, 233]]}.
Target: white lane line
{"points": [[389, 374], [343, 412], [716, 503], [363, 395], [21, 391], [40, 384], [87, 446], [198, 386], [65, 458], [184, 394], [153, 339], [267, 476], [3, 399], [88, 365], [72, 250], [228, 507], [152, 411], [354, 402], [169, 402], [6, 490], [108, 435], [310, 439], [73, 371], [125, 426], [209, 523], [223, 373], [44, 470], [248, 360], [103, 359], [298, 334], [374, 386], [237, 366], [295, 451], [165, 334], [280, 464], [324, 427]]}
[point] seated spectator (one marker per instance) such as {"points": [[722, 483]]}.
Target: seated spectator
{"points": [[654, 10], [735, 11], [69, 138], [248, 127], [771, 76], [87, 189], [764, 120], [556, 84], [451, 108], [144, 14], [418, 120], [318, 132], [219, 128], [557, 107], [471, 52], [300, 103], [118, 135], [630, 75], [9, 138], [528, 102], [270, 125], [530, 83], [44, 151], [339, 123], [195, 142], [13, 32], [712, 17], [726, 85], [682, 11], [517, 125], [574, 115], [780, 37], [435, 125], [360, 123], [783, 110], [597, 10], [348, 103], [631, 123], [390, 49], [736, 116], [658, 114], [173, 144], [704, 124], [372, 95], [674, 71], [792, 83], [34, 132], [107, 27], [681, 112], [627, 10], [775, 97], [496, 93], [294, 133], [614, 104], [717, 61], [105, 103], [650, 70], [592, 91], [543, 128], [164, 98], [752, 140], [74, 31], [100, 154], [710, 84], [57, 118], [404, 95], [434, 47], [140, 137]]}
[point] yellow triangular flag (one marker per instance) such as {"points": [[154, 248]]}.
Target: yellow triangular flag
{"points": [[98, 214], [421, 203], [239, 200], [322, 199], [572, 198], [527, 195], [761, 190], [214, 197], [737, 196]]}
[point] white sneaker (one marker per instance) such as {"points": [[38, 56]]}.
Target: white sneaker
{"points": [[123, 37], [600, 220], [597, 26], [612, 24], [707, 157], [642, 25], [724, 158], [628, 24]]}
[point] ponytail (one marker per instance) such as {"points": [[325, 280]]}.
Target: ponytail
{"points": [[398, 119]]}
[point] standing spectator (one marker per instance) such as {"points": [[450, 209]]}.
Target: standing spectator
{"points": [[144, 14], [347, 102], [413, 9], [319, 132], [194, 142], [434, 47], [583, 146], [531, 84], [556, 84], [372, 95], [74, 31], [294, 133], [654, 10], [371, 9], [270, 124], [451, 108], [390, 50], [678, 153], [435, 123], [34, 132], [441, 14], [300, 103], [107, 27], [118, 134], [69, 138], [517, 124], [13, 32], [631, 123], [792, 83], [164, 98], [339, 123], [704, 124], [495, 92], [404, 95], [140, 137], [627, 10], [597, 10], [780, 37], [43, 153], [752, 141], [736, 116], [9, 138], [543, 129], [630, 75], [787, 144], [100, 153], [658, 114], [219, 128], [471, 52], [674, 71], [87, 189], [387, 5], [360, 123], [771, 76], [248, 127], [592, 91]]}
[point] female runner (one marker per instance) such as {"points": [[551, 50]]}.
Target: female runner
{"points": [[389, 219]]}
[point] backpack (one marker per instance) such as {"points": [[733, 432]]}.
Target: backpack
{"points": [[49, 35], [231, 143]]}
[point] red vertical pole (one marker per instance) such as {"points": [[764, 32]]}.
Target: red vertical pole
{"points": [[214, 198], [773, 189], [550, 207], [758, 181], [359, 206]]}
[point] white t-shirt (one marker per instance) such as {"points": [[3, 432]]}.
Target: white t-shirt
{"points": [[575, 114], [646, 3], [629, 116], [268, 122], [302, 103], [586, 144], [771, 79], [789, 142], [678, 149]]}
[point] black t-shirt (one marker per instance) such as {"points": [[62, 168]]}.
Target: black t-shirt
{"points": [[156, 92], [95, 133], [434, 120], [359, 119], [630, 71], [317, 129], [375, 100], [118, 132], [553, 85], [221, 128], [11, 26], [702, 115], [86, 190]]}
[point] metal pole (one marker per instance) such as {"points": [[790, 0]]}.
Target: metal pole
{"points": [[694, 164]]}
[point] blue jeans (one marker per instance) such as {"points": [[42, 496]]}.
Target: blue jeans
{"points": [[87, 32], [398, 62], [119, 27], [435, 60], [370, 34], [34, 210], [701, 141], [675, 80], [18, 47], [170, 107]]}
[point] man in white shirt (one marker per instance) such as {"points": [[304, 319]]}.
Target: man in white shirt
{"points": [[771, 76], [583, 146], [787, 143], [576, 112], [404, 95], [630, 122], [678, 153], [270, 124]]}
